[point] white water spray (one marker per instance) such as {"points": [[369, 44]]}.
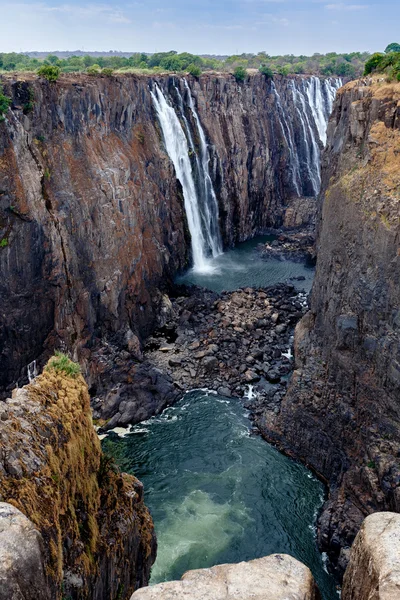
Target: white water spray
{"points": [[203, 242], [32, 371]]}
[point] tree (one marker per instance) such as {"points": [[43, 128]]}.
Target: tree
{"points": [[194, 70], [52, 59], [49, 72], [240, 73], [373, 62], [393, 47], [5, 102], [266, 71]]}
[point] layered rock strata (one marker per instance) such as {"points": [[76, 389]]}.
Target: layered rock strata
{"points": [[92, 223], [341, 414], [82, 519], [276, 577]]}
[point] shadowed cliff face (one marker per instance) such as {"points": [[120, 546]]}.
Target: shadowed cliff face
{"points": [[92, 223], [342, 412], [91, 213]]}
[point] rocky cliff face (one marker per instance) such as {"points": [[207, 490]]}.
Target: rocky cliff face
{"points": [[92, 224], [341, 414], [86, 530]]}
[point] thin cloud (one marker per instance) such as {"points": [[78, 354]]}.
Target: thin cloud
{"points": [[342, 6]]}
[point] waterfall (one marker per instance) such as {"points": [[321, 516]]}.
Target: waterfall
{"points": [[200, 201], [32, 371], [321, 95], [308, 105]]}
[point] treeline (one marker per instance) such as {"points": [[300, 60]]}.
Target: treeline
{"points": [[331, 64]]}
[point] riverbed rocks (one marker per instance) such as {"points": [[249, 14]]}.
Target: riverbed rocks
{"points": [[275, 577], [373, 572], [229, 341]]}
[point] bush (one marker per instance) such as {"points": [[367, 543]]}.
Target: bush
{"points": [[194, 70], [49, 72], [373, 62], [107, 72], [394, 47], [264, 70], [240, 73], [62, 364], [93, 70], [5, 102]]}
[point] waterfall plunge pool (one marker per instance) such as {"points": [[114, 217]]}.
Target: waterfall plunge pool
{"points": [[217, 493], [243, 266]]}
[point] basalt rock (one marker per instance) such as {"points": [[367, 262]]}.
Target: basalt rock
{"points": [[92, 222], [373, 572], [341, 414], [276, 577], [86, 533]]}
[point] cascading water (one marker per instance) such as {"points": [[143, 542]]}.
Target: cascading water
{"points": [[312, 98], [200, 205]]}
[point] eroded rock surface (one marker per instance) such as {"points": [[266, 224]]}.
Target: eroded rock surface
{"points": [[98, 535], [373, 572], [22, 571], [342, 411], [276, 577]]}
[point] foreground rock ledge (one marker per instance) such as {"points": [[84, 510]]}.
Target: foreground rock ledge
{"points": [[276, 577], [373, 572]]}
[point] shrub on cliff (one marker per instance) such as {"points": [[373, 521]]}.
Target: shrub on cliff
{"points": [[264, 70], [49, 72], [373, 62], [194, 70], [62, 364], [240, 73], [93, 70], [107, 72], [5, 102]]}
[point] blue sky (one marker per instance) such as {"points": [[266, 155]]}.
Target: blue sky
{"points": [[201, 26]]}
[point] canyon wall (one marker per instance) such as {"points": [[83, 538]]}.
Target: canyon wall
{"points": [[341, 415], [84, 531], [92, 220]]}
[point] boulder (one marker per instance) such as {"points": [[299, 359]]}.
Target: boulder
{"points": [[373, 572], [275, 577], [21, 560]]}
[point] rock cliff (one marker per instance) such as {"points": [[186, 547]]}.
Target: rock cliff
{"points": [[341, 414], [84, 527], [92, 223]]}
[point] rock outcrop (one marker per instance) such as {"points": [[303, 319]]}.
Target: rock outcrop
{"points": [[98, 537], [22, 570], [373, 572], [276, 577], [341, 414], [92, 222]]}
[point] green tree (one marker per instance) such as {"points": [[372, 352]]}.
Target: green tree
{"points": [[240, 73], [194, 70], [373, 62], [52, 59], [5, 102], [49, 72], [266, 71], [393, 47]]}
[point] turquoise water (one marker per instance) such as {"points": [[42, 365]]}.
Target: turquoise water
{"points": [[243, 266], [218, 494]]}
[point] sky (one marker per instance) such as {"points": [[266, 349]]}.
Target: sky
{"points": [[200, 26]]}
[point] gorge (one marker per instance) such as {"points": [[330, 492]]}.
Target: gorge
{"points": [[105, 216]]}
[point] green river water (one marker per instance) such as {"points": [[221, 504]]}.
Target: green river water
{"points": [[217, 493]]}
